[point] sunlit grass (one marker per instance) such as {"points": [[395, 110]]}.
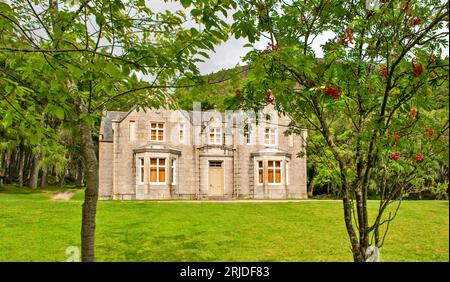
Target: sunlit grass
{"points": [[35, 228]]}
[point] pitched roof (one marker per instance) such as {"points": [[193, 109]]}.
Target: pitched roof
{"points": [[106, 123]]}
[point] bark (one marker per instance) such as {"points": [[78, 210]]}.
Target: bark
{"points": [[90, 164], [11, 166], [21, 167], [3, 161], [79, 174], [44, 177], [311, 184], [63, 177], [91, 193], [34, 171]]}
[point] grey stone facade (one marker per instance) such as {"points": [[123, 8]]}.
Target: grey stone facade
{"points": [[212, 160]]}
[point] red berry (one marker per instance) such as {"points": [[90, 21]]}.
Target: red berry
{"points": [[384, 71], [430, 132], [395, 156], [413, 112], [396, 139], [417, 70], [416, 21], [419, 156], [332, 92]]}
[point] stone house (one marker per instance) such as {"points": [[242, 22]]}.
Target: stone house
{"points": [[177, 154]]}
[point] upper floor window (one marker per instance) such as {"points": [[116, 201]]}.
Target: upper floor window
{"points": [[181, 132], [215, 136], [270, 136], [132, 131], [157, 131], [157, 170], [248, 133], [274, 172]]}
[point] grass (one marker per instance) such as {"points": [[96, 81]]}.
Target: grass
{"points": [[35, 228]]}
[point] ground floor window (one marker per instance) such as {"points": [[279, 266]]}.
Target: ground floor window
{"points": [[173, 175], [274, 172], [141, 171], [260, 172], [287, 173], [157, 170]]}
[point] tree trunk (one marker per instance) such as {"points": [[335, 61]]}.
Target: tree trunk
{"points": [[356, 250], [11, 166], [21, 167], [311, 184], [63, 177], [91, 193], [44, 177], [34, 171], [79, 172]]}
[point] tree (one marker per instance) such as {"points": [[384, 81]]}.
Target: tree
{"points": [[74, 59], [374, 98], [217, 91]]}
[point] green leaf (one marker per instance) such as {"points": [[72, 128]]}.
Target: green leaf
{"points": [[186, 3]]}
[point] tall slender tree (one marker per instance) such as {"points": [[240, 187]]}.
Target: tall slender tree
{"points": [[90, 54]]}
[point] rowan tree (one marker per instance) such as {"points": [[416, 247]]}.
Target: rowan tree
{"points": [[374, 100]]}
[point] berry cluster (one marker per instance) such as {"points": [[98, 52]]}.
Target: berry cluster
{"points": [[417, 69], [395, 156], [271, 47], [430, 132], [416, 21], [395, 139], [332, 92], [238, 92], [347, 37], [413, 112], [419, 156], [384, 71]]}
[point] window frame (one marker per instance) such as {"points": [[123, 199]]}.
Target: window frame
{"points": [[157, 130], [181, 133], [274, 171], [158, 170], [259, 169], [213, 130], [248, 134], [287, 172], [269, 135], [132, 133], [173, 175], [141, 169]]}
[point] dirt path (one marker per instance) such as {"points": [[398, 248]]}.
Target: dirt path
{"points": [[65, 196]]}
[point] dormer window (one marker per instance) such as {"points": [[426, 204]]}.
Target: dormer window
{"points": [[270, 136], [157, 131], [215, 136], [248, 133]]}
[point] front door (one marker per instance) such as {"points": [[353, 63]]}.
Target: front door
{"points": [[215, 178]]}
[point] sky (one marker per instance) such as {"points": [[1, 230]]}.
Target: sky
{"points": [[230, 53]]}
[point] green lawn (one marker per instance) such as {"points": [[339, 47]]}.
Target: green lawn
{"points": [[35, 228]]}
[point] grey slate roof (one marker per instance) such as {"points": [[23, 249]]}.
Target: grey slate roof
{"points": [[106, 123]]}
